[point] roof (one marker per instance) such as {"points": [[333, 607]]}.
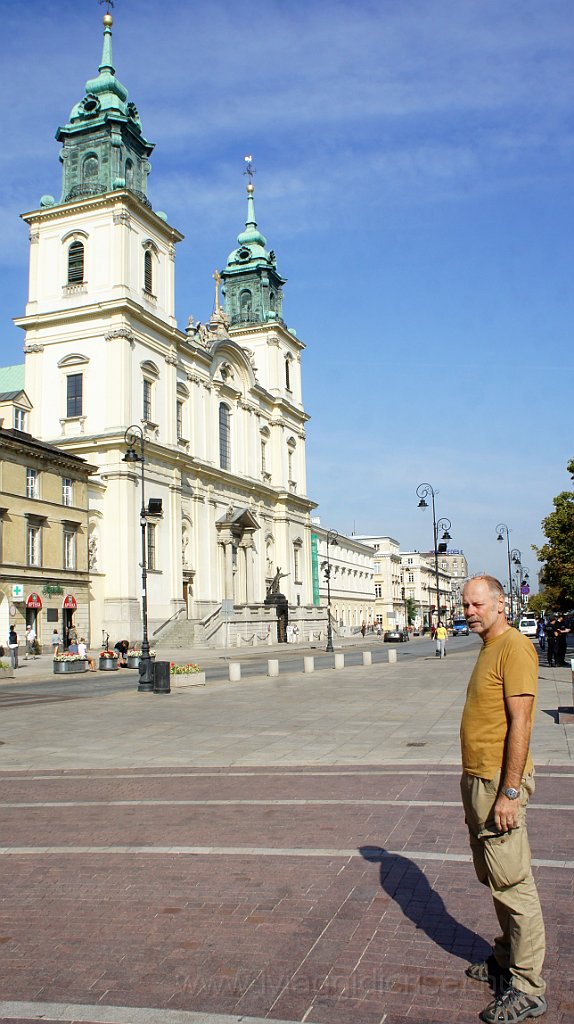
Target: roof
{"points": [[8, 396], [12, 378]]}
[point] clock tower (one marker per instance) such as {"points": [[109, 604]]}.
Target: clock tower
{"points": [[252, 285]]}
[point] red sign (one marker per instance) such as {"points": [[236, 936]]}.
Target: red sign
{"points": [[34, 601], [70, 603]]}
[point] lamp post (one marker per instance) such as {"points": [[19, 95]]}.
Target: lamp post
{"points": [[423, 491], [503, 531], [516, 557], [133, 437], [331, 539]]}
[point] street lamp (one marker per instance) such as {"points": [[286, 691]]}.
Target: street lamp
{"points": [[331, 539], [134, 437], [503, 531], [516, 557], [423, 491]]}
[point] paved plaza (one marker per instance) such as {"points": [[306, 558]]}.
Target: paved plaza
{"points": [[288, 849]]}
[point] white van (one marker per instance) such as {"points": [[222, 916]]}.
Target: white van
{"points": [[527, 625]]}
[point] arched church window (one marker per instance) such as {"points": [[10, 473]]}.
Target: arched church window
{"points": [[246, 305], [224, 437], [90, 169], [129, 174], [288, 374], [76, 263], [148, 272]]}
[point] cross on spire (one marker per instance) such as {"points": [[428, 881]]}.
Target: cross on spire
{"points": [[108, 3], [218, 280]]}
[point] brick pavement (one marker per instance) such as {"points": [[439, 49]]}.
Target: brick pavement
{"points": [[290, 851], [339, 895]]}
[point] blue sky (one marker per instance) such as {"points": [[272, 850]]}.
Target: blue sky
{"points": [[414, 175]]}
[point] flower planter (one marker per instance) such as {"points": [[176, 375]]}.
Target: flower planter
{"points": [[109, 665], [63, 668], [181, 680], [133, 660]]}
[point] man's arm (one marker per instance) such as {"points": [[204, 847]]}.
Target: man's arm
{"points": [[519, 710]]}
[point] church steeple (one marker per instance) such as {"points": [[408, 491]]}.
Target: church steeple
{"points": [[253, 287], [103, 145]]}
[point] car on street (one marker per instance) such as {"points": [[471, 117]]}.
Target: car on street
{"points": [[527, 626], [396, 636], [460, 627]]}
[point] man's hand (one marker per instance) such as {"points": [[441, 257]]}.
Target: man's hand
{"points": [[506, 813]]}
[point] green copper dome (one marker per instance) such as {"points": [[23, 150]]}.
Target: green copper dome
{"points": [[252, 285], [103, 145]]}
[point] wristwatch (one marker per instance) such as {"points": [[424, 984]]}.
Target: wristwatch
{"points": [[511, 793]]}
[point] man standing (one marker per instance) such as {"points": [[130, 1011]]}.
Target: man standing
{"points": [[496, 783]]}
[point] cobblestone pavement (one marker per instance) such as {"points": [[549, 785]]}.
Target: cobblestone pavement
{"points": [[323, 893]]}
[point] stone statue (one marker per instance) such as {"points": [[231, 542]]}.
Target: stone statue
{"points": [[93, 552], [274, 585]]}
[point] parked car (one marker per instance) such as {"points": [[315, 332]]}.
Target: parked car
{"points": [[527, 626], [396, 636], [460, 627]]}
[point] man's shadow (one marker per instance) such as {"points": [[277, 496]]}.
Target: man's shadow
{"points": [[408, 886]]}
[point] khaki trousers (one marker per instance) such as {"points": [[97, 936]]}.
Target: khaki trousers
{"points": [[502, 862]]}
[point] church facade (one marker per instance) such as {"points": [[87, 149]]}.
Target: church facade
{"points": [[218, 405]]}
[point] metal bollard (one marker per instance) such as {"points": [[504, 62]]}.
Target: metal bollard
{"points": [[234, 671], [367, 658], [273, 667], [161, 682], [392, 657], [339, 661], [308, 664]]}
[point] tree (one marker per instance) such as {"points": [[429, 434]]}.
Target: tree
{"points": [[411, 609], [558, 553]]}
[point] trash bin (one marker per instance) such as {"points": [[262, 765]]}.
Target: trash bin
{"points": [[161, 677]]}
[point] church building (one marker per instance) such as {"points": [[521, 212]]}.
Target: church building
{"points": [[216, 409]]}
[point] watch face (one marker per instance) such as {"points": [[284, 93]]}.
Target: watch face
{"points": [[511, 793]]}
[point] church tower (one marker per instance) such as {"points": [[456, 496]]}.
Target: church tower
{"points": [[252, 284], [103, 145]]}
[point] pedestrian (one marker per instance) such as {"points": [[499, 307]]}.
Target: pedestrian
{"points": [[540, 634], [30, 642], [551, 633], [496, 782], [13, 645], [72, 635], [83, 652], [55, 641], [441, 636], [122, 648], [363, 628], [561, 641]]}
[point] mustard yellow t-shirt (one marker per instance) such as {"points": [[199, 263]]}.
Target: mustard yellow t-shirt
{"points": [[441, 633], [507, 666]]}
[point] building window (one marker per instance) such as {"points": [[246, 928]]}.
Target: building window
{"points": [[67, 491], [297, 562], [129, 175], [148, 272], [74, 387], [90, 170], [147, 400], [34, 545], [151, 552], [245, 306], [411, 578], [224, 437], [69, 548], [76, 263], [263, 456], [32, 488], [179, 417], [288, 374], [378, 590], [409, 561], [19, 419]]}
